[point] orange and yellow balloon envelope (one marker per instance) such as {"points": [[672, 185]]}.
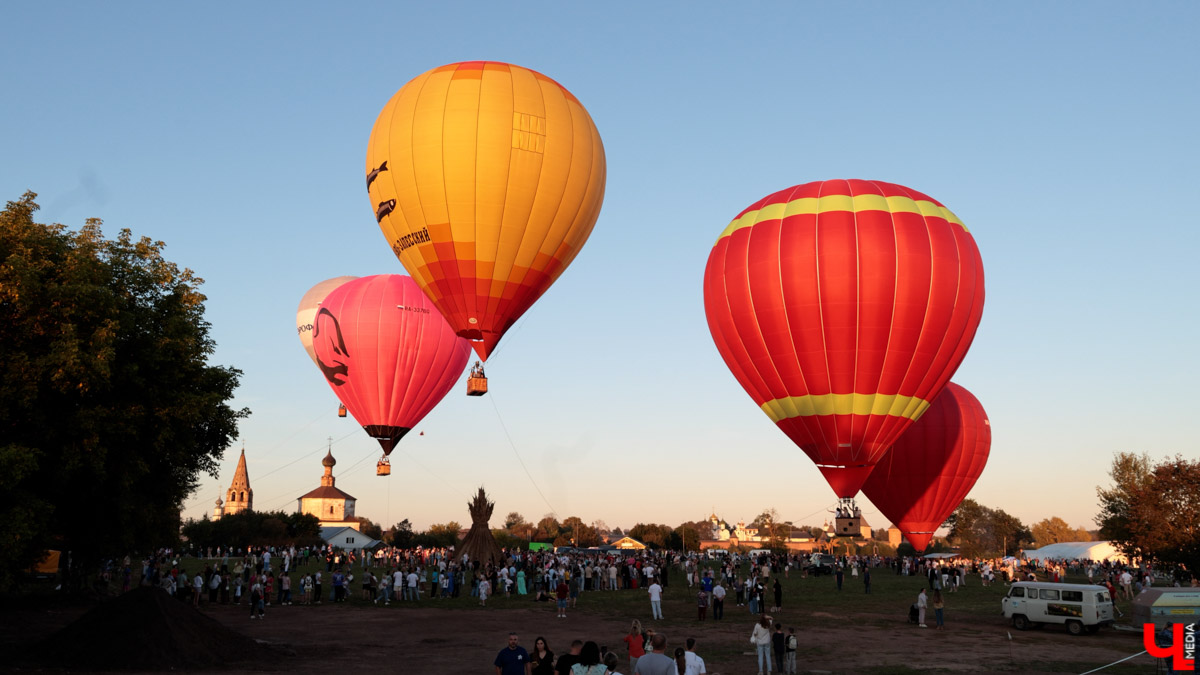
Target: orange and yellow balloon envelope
{"points": [[486, 178]]}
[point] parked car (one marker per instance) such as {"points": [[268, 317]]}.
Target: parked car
{"points": [[820, 563], [1079, 606]]}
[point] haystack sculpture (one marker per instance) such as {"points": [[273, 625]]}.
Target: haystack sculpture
{"points": [[479, 544]]}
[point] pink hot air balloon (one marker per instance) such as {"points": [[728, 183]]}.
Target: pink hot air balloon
{"points": [[387, 353], [933, 465]]}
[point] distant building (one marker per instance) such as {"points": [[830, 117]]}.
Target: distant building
{"points": [[722, 535], [629, 544], [239, 497], [330, 505], [346, 538]]}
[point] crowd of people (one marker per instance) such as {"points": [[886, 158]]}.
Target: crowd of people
{"points": [[261, 577], [647, 653]]}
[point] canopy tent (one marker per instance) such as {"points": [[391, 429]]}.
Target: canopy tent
{"points": [[1078, 550]]}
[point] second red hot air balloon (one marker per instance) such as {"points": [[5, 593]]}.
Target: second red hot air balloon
{"points": [[387, 353], [925, 476], [843, 307]]}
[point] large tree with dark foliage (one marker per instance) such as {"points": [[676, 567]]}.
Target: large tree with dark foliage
{"points": [[253, 528], [979, 531], [109, 410], [1152, 511]]}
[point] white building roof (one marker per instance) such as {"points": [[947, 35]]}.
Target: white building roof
{"points": [[1083, 550], [347, 538]]}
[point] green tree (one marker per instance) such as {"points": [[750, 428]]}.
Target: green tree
{"points": [[1153, 511], [688, 538], [253, 528], [443, 534], [1054, 530], [369, 527], [400, 535], [548, 529], [980, 531], [656, 536], [109, 410]]}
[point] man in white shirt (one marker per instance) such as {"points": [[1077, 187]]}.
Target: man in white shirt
{"points": [[692, 661], [1127, 584], [412, 585], [398, 585], [655, 592], [718, 595]]}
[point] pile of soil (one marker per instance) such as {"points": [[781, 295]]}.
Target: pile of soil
{"points": [[146, 629]]}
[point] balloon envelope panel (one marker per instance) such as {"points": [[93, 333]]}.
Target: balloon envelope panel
{"points": [[933, 465], [387, 353], [843, 307], [486, 179]]}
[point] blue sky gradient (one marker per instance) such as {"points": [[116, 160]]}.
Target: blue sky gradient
{"points": [[1063, 134]]}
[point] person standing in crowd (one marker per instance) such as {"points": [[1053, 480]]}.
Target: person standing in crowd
{"points": [[701, 603], [718, 601], [541, 661], [256, 600], [513, 659], [633, 644], [693, 664], [938, 606], [657, 662], [866, 577], [778, 595], [566, 661], [610, 662], [922, 604], [778, 644], [561, 592], [589, 661], [789, 653], [760, 637], [655, 592], [197, 589]]}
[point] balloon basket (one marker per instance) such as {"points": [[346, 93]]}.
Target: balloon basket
{"points": [[476, 386], [849, 521], [383, 467], [341, 411]]}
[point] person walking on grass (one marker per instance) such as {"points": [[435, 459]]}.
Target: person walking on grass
{"points": [[760, 637], [655, 592], [922, 603], [561, 592], [938, 606], [778, 644]]}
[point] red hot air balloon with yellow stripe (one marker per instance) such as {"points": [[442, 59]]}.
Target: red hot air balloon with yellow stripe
{"points": [[486, 178], [843, 307], [387, 354], [932, 466]]}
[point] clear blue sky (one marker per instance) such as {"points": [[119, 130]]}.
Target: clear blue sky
{"points": [[1063, 134]]}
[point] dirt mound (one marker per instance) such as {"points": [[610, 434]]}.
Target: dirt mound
{"points": [[146, 629]]}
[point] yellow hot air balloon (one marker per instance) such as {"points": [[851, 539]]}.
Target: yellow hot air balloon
{"points": [[486, 178]]}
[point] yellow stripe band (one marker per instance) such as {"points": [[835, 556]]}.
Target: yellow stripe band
{"points": [[845, 404], [855, 204]]}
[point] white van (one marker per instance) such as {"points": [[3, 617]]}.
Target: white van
{"points": [[1079, 606]]}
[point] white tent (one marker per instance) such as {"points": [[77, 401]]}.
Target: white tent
{"points": [[1078, 550]]}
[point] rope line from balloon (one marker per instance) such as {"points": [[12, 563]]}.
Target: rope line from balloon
{"points": [[553, 511]]}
